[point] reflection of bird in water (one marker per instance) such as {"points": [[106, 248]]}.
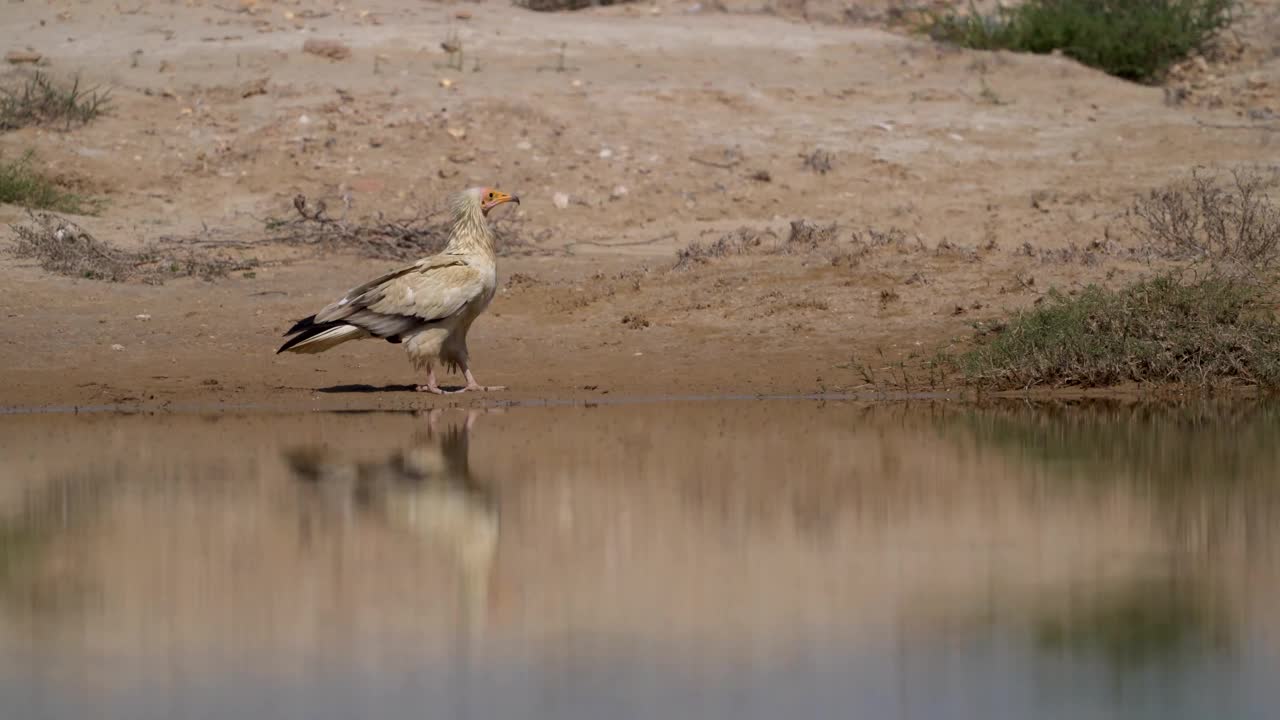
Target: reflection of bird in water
{"points": [[426, 491]]}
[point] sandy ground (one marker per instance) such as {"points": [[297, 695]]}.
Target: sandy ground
{"points": [[962, 184]]}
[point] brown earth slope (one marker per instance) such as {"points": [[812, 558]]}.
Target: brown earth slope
{"points": [[961, 185]]}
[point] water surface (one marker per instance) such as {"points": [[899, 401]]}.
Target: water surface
{"points": [[703, 559]]}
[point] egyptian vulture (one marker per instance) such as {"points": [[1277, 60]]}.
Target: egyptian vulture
{"points": [[428, 306]]}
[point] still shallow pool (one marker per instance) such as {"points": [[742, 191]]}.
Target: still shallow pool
{"points": [[705, 559]]}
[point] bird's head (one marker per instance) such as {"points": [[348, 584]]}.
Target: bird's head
{"points": [[489, 198]]}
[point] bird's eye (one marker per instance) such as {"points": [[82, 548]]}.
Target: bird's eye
{"points": [[490, 196]]}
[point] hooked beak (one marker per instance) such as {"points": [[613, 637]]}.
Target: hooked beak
{"points": [[498, 199]]}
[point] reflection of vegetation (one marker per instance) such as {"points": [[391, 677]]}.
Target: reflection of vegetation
{"points": [[17, 545], [25, 537], [1146, 624], [1206, 468], [1165, 444]]}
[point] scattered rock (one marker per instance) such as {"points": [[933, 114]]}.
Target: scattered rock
{"points": [[144, 317], [635, 322], [619, 192], [117, 347], [560, 200], [762, 176], [463, 15], [606, 153], [332, 49], [446, 83], [19, 57], [524, 145], [457, 133], [254, 87]]}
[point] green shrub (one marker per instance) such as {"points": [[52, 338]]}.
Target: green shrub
{"points": [[1133, 39], [1207, 332], [21, 184]]}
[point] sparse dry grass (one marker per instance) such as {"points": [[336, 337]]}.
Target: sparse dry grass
{"points": [[804, 238], [738, 242], [807, 237], [40, 100], [819, 161]]}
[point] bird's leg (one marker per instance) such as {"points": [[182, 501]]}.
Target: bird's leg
{"points": [[431, 385], [475, 386]]}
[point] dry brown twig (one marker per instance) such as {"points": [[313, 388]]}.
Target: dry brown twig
{"points": [[65, 248], [383, 238], [1230, 225]]}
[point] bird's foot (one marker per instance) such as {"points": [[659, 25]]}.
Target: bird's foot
{"points": [[434, 389], [476, 387]]}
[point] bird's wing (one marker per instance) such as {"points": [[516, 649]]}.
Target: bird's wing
{"points": [[429, 290]]}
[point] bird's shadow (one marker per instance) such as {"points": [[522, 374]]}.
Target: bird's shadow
{"points": [[358, 388]]}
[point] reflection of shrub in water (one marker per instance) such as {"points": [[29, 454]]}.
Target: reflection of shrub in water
{"points": [[1208, 468], [1186, 443], [27, 582], [1149, 623]]}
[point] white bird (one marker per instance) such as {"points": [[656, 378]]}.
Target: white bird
{"points": [[428, 306]]}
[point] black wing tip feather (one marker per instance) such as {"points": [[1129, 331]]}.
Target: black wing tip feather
{"points": [[303, 324], [308, 332]]}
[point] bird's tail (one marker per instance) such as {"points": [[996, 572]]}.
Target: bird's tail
{"points": [[313, 337]]}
